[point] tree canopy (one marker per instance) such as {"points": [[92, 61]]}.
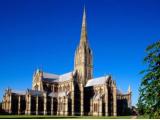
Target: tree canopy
{"points": [[149, 99]]}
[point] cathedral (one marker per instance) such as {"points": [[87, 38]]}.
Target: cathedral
{"points": [[72, 93]]}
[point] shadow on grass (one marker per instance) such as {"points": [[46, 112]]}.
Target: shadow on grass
{"points": [[60, 117], [35, 117]]}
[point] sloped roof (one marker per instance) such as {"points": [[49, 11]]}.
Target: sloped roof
{"points": [[32, 92], [50, 76], [53, 94], [66, 76], [57, 78], [36, 92], [97, 81], [19, 92], [58, 94]]}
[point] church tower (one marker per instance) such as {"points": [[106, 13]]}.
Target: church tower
{"points": [[83, 62]]}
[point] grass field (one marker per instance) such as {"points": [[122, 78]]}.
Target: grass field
{"points": [[143, 117], [59, 117]]}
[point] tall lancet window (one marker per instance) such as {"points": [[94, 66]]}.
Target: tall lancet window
{"points": [[36, 87]]}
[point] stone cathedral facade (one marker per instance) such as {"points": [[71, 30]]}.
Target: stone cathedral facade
{"points": [[73, 93]]}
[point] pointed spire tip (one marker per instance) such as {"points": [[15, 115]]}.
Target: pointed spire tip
{"points": [[129, 88]]}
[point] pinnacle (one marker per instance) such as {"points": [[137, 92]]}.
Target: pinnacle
{"points": [[83, 38]]}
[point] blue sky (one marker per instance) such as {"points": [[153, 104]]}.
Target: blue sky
{"points": [[45, 33]]}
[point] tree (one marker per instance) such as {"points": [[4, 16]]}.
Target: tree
{"points": [[140, 106], [149, 99]]}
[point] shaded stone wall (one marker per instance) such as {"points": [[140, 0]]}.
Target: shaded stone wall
{"points": [[106, 105], [123, 104]]}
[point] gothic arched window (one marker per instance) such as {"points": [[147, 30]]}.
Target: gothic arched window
{"points": [[97, 107], [68, 87], [36, 87], [55, 89]]}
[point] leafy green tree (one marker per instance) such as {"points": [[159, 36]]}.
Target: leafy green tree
{"points": [[149, 100], [140, 106], [0, 105]]}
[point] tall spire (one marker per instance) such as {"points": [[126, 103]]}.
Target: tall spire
{"points": [[83, 56], [84, 18], [129, 89], [84, 28]]}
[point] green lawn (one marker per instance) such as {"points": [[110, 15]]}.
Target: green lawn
{"points": [[143, 117], [60, 117]]}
